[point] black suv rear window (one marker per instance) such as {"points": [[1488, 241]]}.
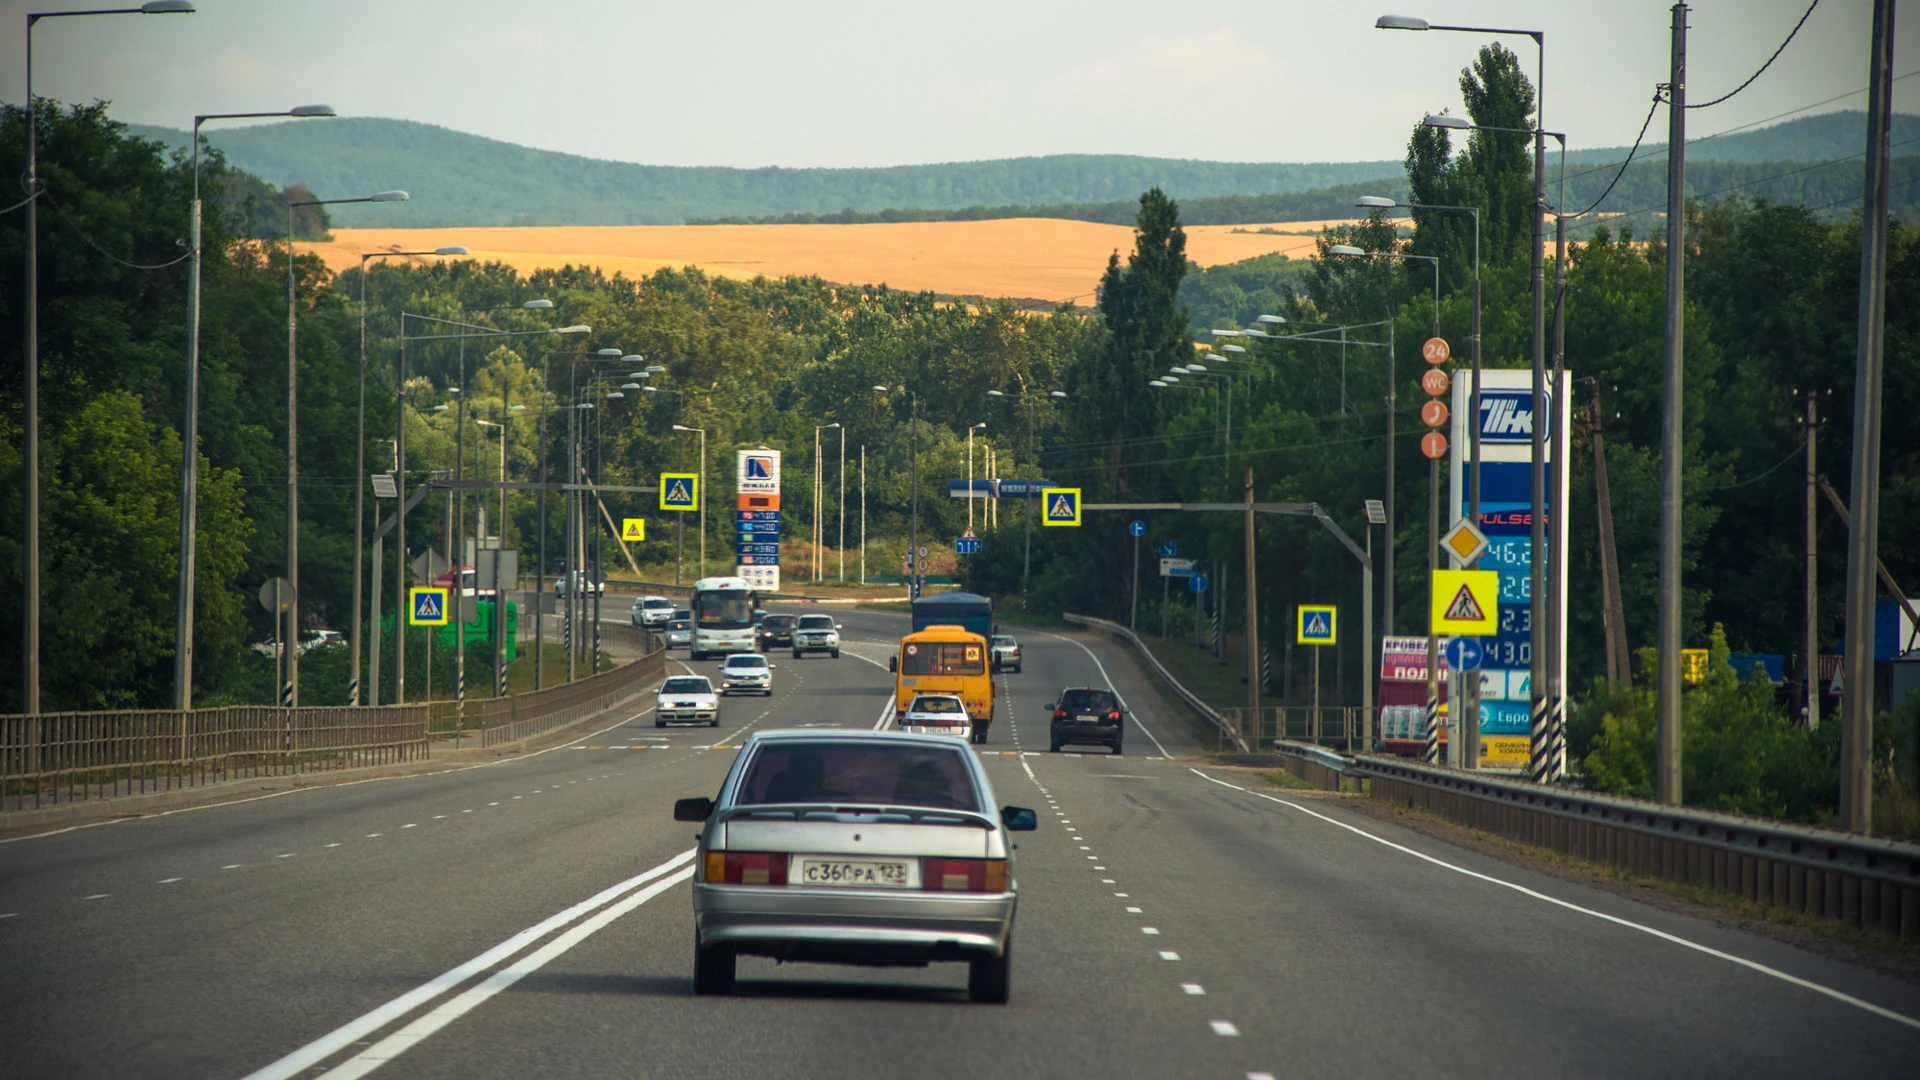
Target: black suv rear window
{"points": [[855, 773], [1088, 701], [777, 622]]}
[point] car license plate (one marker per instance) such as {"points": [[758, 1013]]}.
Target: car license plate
{"points": [[855, 873], [1086, 719]]}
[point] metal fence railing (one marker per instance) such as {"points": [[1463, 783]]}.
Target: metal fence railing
{"points": [[55, 758], [1343, 726]]}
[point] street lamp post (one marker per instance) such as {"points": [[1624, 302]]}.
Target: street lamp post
{"points": [[360, 483], [913, 461], [30, 601], [819, 493], [970, 430], [702, 432], [1026, 516], [290, 657], [190, 436]]}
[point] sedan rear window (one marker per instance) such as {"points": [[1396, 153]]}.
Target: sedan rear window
{"points": [[859, 773], [1088, 701], [686, 685], [780, 622], [743, 663], [1003, 642], [937, 705]]}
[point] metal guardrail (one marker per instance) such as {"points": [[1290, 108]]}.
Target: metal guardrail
{"points": [[1341, 725], [54, 758], [1207, 712], [1825, 874]]}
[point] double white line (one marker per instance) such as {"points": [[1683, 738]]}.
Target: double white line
{"points": [[609, 904]]}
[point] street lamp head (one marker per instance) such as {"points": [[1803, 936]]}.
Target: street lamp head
{"points": [[981, 426], [880, 389], [825, 427], [639, 374], [634, 358], [517, 408], [1233, 348], [538, 305], [1170, 378], [1055, 394], [1442, 120], [584, 405], [312, 110], [651, 389], [1157, 384], [440, 408], [577, 328], [657, 369], [166, 7], [995, 393], [1399, 22], [614, 353], [615, 394], [388, 196], [1228, 333], [1196, 367], [1375, 202], [1270, 319], [1376, 512], [683, 427], [630, 386], [454, 249], [1344, 249]]}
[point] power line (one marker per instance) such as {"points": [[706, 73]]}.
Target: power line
{"points": [[1765, 66], [1775, 176], [1651, 109], [64, 216]]}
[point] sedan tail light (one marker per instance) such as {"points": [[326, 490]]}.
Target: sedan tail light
{"points": [[746, 868], [1114, 715], [1059, 714], [963, 875]]}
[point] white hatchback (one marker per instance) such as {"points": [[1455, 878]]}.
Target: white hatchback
{"points": [[746, 673]]}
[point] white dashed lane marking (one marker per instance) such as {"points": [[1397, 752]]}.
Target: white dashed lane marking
{"points": [[1150, 931], [95, 896], [169, 881], [1164, 955], [1224, 1027], [1194, 989]]}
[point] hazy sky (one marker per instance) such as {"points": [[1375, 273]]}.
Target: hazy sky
{"points": [[866, 83]]}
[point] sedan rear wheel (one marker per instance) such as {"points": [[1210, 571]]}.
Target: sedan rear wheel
{"points": [[713, 969], [990, 978]]}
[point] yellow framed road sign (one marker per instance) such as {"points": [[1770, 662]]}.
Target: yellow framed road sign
{"points": [[1317, 625], [427, 606], [1466, 602], [1061, 506], [633, 529], [680, 491]]}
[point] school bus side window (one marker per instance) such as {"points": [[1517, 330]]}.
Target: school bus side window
{"points": [[943, 658]]}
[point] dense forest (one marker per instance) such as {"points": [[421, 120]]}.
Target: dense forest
{"points": [[763, 362]]}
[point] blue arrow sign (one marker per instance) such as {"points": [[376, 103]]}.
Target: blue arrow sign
{"points": [[1464, 653], [1198, 583], [1136, 527], [967, 547], [1169, 548]]}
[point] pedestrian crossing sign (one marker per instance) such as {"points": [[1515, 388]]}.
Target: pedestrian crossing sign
{"points": [[1062, 506], [1317, 625], [633, 529], [680, 491], [1466, 602], [427, 607]]}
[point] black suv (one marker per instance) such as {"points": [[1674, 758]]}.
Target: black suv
{"points": [[776, 630], [1086, 715]]}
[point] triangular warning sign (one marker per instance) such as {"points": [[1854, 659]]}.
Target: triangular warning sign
{"points": [[428, 606], [1061, 509], [1465, 608], [678, 493], [1316, 627], [633, 529]]}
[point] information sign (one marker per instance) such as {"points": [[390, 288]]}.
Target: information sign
{"points": [[426, 606], [1061, 506], [1316, 625]]}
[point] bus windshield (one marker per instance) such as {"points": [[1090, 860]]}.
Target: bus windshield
{"points": [[723, 610]]}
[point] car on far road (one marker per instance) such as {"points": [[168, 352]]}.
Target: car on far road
{"points": [[652, 612], [321, 639], [587, 584], [857, 847], [1006, 653], [746, 673], [938, 714], [687, 699], [776, 630], [1086, 715], [816, 633], [680, 631]]}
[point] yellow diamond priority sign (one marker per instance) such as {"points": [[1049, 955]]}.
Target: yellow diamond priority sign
{"points": [[1466, 602], [1464, 542], [1062, 506]]}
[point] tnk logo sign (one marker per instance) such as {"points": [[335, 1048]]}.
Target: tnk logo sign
{"points": [[758, 472], [1506, 416]]}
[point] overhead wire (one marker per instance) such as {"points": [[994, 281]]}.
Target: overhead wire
{"points": [[1765, 66], [91, 242]]}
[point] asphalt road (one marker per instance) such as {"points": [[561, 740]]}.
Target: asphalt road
{"points": [[1174, 922]]}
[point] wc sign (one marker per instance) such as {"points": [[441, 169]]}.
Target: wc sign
{"points": [[758, 472], [1506, 416]]}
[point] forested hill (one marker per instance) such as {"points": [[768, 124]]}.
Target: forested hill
{"points": [[461, 179]]}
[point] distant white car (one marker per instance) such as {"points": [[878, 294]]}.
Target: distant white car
{"points": [[321, 639], [652, 612], [687, 699], [587, 585], [938, 714], [746, 673], [816, 633], [680, 631]]}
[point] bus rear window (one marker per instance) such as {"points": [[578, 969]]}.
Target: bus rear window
{"points": [[943, 658]]}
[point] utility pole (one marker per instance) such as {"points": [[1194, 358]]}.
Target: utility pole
{"points": [[1810, 655], [1612, 609], [1253, 614], [1856, 716], [1667, 709]]}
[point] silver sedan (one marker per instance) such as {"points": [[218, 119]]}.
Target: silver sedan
{"points": [[855, 847]]}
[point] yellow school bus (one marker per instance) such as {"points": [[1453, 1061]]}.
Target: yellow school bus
{"points": [[945, 660]]}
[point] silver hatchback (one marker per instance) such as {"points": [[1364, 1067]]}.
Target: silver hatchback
{"points": [[855, 847]]}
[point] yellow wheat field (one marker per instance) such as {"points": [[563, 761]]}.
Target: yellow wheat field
{"points": [[1025, 258]]}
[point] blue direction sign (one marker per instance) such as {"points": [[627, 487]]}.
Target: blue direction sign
{"points": [[1169, 548], [1464, 653], [1014, 489], [1198, 583], [1136, 527], [967, 546]]}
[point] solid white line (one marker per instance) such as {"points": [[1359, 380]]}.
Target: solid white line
{"points": [[1137, 722], [413, 1034], [353, 1031], [1763, 969]]}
